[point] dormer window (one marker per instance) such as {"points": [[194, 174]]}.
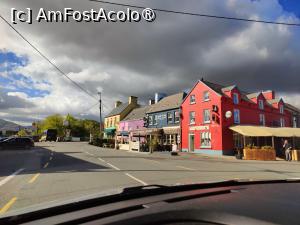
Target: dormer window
{"points": [[192, 99], [205, 96], [235, 98], [281, 109], [261, 104]]}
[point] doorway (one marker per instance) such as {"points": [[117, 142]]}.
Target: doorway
{"points": [[191, 142]]}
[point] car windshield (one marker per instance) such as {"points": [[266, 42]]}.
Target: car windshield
{"points": [[98, 96]]}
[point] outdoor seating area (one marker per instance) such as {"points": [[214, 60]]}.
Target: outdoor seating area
{"points": [[265, 143]]}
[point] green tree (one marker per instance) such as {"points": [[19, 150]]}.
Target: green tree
{"points": [[54, 122], [22, 133]]}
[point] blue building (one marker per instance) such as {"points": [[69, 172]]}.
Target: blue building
{"points": [[164, 121]]}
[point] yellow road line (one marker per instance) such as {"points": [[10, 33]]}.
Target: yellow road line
{"points": [[34, 178], [46, 165], [8, 205]]}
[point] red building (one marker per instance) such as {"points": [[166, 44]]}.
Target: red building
{"points": [[210, 109]]}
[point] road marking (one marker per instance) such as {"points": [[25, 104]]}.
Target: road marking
{"points": [[89, 153], [102, 160], [8, 205], [116, 168], [153, 160], [136, 179], [46, 165], [186, 168], [5, 180], [34, 178], [51, 153], [50, 158]]}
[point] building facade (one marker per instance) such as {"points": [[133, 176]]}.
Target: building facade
{"points": [[121, 110], [210, 109], [163, 121]]}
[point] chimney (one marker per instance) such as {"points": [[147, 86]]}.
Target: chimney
{"points": [[269, 95], [133, 100], [117, 104], [151, 102], [158, 97]]}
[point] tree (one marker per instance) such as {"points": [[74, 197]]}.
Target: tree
{"points": [[54, 122], [22, 133]]}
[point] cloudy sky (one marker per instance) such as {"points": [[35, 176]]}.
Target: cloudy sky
{"points": [[122, 59]]}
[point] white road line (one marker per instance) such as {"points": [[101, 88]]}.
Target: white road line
{"points": [[116, 168], [153, 160], [89, 153], [136, 179], [102, 160], [5, 180], [186, 168]]}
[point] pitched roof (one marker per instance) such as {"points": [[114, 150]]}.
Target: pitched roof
{"points": [[292, 108], [118, 110], [276, 100], [253, 95], [137, 113], [229, 88], [169, 102]]}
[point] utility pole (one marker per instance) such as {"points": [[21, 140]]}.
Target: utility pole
{"points": [[100, 114]]}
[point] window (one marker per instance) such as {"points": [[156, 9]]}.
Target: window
{"points": [[150, 118], [235, 98], [206, 116], [177, 116], [192, 99], [282, 122], [192, 118], [205, 140], [261, 104], [155, 120], [170, 117], [281, 109], [294, 121], [262, 120], [205, 96], [236, 116]]}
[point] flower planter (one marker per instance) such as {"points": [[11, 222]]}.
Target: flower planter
{"points": [[260, 154]]}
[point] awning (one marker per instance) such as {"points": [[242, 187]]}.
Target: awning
{"points": [[259, 131], [123, 133], [171, 130], [110, 131]]}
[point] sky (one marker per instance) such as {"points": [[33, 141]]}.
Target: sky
{"points": [[168, 55]]}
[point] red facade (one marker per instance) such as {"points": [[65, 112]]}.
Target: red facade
{"points": [[205, 127]]}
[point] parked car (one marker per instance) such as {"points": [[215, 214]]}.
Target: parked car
{"points": [[17, 143]]}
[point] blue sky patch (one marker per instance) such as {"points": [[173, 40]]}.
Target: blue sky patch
{"points": [[10, 81], [292, 6]]}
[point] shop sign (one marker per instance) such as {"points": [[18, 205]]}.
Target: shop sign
{"points": [[199, 128]]}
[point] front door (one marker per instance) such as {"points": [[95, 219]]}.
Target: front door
{"points": [[191, 142]]}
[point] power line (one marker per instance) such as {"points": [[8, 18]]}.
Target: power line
{"points": [[47, 59], [199, 15], [87, 110]]}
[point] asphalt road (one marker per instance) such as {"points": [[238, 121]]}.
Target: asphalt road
{"points": [[55, 172]]}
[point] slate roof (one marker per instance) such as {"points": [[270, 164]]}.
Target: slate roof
{"points": [[220, 88], [169, 102], [137, 113], [118, 110], [253, 95], [292, 108]]}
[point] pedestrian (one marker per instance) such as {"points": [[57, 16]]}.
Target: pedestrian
{"points": [[287, 150]]}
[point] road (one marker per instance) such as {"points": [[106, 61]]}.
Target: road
{"points": [[55, 172]]}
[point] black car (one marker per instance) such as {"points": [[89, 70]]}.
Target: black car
{"points": [[17, 143]]}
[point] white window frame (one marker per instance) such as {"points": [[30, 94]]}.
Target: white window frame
{"points": [[281, 109], [236, 112], [177, 118], [155, 118], [206, 96], [205, 115], [206, 136], [190, 117], [170, 114], [261, 104], [282, 122], [150, 118], [262, 119], [236, 100], [192, 99]]}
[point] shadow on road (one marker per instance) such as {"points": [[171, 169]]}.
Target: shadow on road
{"points": [[34, 161]]}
